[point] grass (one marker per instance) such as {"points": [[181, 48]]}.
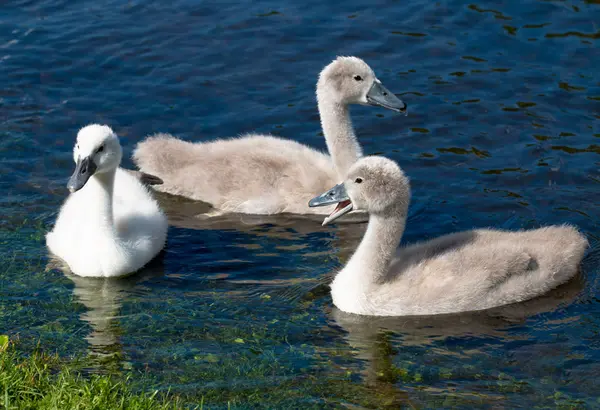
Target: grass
{"points": [[42, 381]]}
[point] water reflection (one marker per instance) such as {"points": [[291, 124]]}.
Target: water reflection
{"points": [[288, 232], [369, 336], [190, 214], [103, 299]]}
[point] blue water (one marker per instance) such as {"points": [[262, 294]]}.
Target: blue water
{"points": [[503, 130]]}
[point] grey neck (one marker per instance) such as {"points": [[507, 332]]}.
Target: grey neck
{"points": [[339, 135], [372, 258]]}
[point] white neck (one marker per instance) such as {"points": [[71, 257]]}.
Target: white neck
{"points": [[99, 189], [370, 263], [339, 133]]}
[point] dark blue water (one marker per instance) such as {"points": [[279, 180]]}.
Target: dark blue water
{"points": [[503, 130]]}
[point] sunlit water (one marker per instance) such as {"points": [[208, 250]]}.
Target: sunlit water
{"points": [[503, 130]]}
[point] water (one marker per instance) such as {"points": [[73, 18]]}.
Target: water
{"points": [[503, 130]]}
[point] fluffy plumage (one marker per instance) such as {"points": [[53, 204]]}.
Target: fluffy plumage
{"points": [[111, 225], [466, 271], [262, 174]]}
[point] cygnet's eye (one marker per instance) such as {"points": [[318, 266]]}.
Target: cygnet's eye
{"points": [[358, 180], [358, 78], [101, 148]]}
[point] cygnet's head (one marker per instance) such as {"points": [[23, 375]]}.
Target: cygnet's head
{"points": [[96, 151], [349, 80], [374, 184]]}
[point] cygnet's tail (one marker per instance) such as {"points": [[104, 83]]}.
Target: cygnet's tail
{"points": [[162, 154], [552, 257], [562, 252], [144, 178]]}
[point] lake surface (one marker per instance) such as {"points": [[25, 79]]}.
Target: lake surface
{"points": [[503, 131]]}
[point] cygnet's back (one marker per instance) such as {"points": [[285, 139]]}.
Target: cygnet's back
{"points": [[138, 217], [254, 174], [480, 269]]}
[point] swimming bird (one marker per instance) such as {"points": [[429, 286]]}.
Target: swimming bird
{"points": [[262, 174], [465, 271], [110, 225]]}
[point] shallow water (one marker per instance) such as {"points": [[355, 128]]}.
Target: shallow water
{"points": [[503, 130]]}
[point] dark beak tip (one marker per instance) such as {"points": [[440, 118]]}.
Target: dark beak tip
{"points": [[71, 187]]}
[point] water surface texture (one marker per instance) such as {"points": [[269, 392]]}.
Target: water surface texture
{"points": [[503, 130]]}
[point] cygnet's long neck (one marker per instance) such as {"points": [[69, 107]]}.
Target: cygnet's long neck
{"points": [[99, 192], [370, 263], [339, 133]]}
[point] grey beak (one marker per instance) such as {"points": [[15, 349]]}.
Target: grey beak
{"points": [[84, 169], [333, 196], [379, 95]]}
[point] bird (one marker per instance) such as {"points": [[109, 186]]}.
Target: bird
{"points": [[464, 271], [110, 225], [263, 174]]}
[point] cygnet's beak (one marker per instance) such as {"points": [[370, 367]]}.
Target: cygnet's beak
{"points": [[84, 169], [381, 96], [338, 195]]}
